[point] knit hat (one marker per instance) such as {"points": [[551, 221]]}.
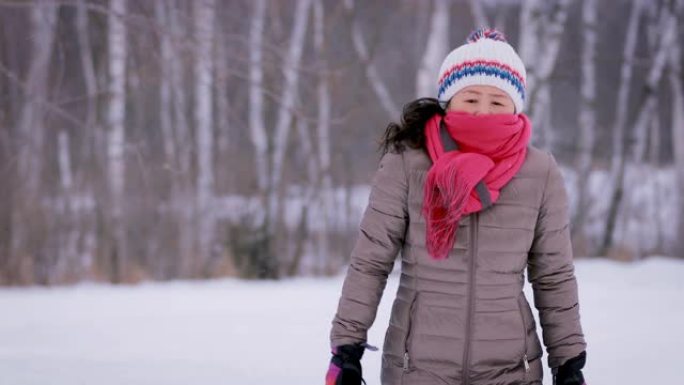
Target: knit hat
{"points": [[485, 59]]}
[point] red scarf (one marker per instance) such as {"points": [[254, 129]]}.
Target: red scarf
{"points": [[491, 148]]}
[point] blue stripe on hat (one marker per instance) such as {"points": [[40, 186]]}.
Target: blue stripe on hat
{"points": [[482, 69]]}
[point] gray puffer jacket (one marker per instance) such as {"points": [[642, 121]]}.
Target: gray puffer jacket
{"points": [[464, 320]]}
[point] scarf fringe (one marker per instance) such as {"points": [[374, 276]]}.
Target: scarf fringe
{"points": [[446, 195]]}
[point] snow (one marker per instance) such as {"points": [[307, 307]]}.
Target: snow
{"points": [[644, 224], [247, 332]]}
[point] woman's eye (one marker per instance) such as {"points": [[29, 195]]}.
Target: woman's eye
{"points": [[471, 101], [497, 104]]}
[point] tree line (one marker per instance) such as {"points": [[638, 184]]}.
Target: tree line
{"points": [[196, 139]]}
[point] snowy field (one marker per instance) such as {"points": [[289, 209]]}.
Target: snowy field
{"points": [[238, 333]]}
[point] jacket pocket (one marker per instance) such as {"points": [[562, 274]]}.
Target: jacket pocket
{"points": [[410, 326], [523, 318]]}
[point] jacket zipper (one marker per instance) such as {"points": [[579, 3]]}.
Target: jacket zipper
{"points": [[408, 332], [522, 317], [471, 302]]}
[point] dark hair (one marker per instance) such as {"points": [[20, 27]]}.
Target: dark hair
{"points": [[409, 131]]}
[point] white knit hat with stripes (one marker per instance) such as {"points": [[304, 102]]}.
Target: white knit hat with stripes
{"points": [[485, 59]]}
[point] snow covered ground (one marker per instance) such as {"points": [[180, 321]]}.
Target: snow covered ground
{"points": [[239, 333]]}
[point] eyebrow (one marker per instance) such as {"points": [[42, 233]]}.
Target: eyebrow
{"points": [[497, 95]]}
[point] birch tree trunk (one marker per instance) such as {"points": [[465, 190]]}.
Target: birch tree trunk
{"points": [[116, 115], [323, 130], [667, 22], [435, 51], [361, 49], [89, 78], [182, 186], [677, 91], [222, 67], [257, 127], [174, 131], [67, 254], [643, 118], [261, 261], [183, 142], [30, 122], [286, 108], [25, 249], [528, 46], [90, 149], [586, 122], [622, 103], [165, 101], [203, 13], [656, 186], [620, 119], [301, 239], [549, 31]]}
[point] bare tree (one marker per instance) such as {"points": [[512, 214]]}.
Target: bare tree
{"points": [[622, 100], [676, 81], [182, 167], [30, 125], [361, 48], [540, 38], [323, 130], [435, 50], [586, 120], [642, 119], [260, 238], [257, 126], [286, 106], [30, 131], [116, 141], [222, 69], [89, 74], [308, 195], [203, 15], [528, 41], [667, 24], [165, 97]]}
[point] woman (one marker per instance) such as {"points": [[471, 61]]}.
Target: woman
{"points": [[470, 205]]}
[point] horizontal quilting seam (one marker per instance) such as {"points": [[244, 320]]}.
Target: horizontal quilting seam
{"points": [[496, 284], [427, 280], [497, 311], [497, 339], [356, 301], [506, 227], [516, 204], [422, 334], [501, 251], [375, 240], [377, 210], [559, 230]]}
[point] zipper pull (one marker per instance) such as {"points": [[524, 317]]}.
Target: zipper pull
{"points": [[527, 365], [369, 347], [406, 360]]}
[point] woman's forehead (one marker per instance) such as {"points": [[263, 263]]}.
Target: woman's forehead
{"points": [[483, 90]]}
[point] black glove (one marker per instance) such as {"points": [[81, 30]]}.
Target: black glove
{"points": [[345, 366], [570, 373]]}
